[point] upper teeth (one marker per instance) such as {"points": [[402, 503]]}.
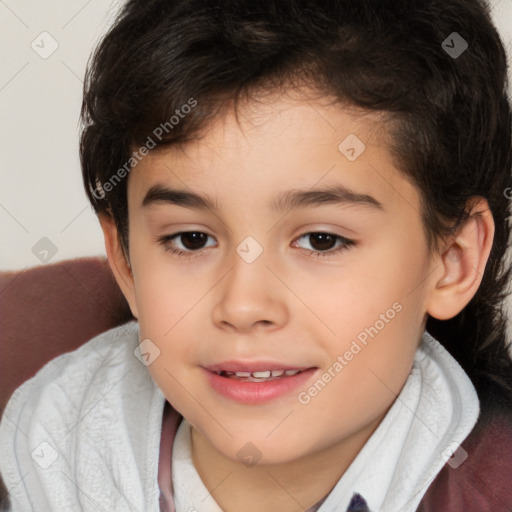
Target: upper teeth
{"points": [[263, 375]]}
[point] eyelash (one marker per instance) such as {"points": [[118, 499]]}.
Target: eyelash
{"points": [[346, 244]]}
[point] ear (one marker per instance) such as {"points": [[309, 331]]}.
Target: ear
{"points": [[119, 261], [461, 263]]}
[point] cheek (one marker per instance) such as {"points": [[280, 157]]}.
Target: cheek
{"points": [[372, 375], [361, 294], [375, 318], [165, 293]]}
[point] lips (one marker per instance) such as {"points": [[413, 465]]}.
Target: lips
{"points": [[254, 372], [258, 376], [251, 367], [256, 382]]}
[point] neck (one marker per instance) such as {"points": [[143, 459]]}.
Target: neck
{"points": [[289, 486]]}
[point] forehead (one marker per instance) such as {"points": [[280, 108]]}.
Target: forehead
{"points": [[273, 146]]}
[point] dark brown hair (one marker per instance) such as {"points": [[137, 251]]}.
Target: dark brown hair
{"points": [[451, 118]]}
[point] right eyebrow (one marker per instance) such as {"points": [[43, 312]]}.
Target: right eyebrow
{"points": [[161, 194]]}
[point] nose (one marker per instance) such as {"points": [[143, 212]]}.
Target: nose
{"points": [[250, 297]]}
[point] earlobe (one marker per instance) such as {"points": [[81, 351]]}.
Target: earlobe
{"points": [[462, 263], [118, 261]]}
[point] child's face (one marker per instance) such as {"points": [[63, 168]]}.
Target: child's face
{"points": [[229, 303]]}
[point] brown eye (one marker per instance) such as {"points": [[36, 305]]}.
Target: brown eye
{"points": [[185, 242], [192, 240], [322, 241], [326, 244]]}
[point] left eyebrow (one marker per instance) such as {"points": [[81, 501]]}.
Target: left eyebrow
{"points": [[288, 200], [336, 194]]}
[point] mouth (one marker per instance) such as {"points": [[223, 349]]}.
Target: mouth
{"points": [[257, 383], [259, 376]]}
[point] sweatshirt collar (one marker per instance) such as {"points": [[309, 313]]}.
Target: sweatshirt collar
{"points": [[431, 416]]}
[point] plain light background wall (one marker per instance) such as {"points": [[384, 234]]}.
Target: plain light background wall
{"points": [[44, 47], [41, 192]]}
